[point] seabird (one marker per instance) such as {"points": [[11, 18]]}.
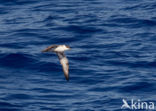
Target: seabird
{"points": [[59, 50]]}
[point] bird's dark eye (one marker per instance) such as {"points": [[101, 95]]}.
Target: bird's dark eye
{"points": [[68, 47]]}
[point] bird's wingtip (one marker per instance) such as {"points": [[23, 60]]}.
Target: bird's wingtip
{"points": [[45, 50], [67, 78]]}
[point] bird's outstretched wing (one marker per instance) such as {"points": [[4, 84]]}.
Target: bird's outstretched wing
{"points": [[64, 63], [49, 48]]}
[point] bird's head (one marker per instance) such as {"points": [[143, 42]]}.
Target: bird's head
{"points": [[66, 47]]}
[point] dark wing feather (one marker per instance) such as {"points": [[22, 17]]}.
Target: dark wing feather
{"points": [[64, 63], [49, 48]]}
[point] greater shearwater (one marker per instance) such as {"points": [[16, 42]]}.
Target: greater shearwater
{"points": [[59, 50]]}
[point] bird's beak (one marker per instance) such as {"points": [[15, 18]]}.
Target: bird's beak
{"points": [[68, 47]]}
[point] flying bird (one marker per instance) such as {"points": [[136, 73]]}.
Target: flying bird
{"points": [[59, 50]]}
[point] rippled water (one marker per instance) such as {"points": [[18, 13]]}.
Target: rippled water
{"points": [[113, 54]]}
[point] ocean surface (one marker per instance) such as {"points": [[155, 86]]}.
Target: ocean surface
{"points": [[113, 55]]}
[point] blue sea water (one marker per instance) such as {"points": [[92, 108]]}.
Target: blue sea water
{"points": [[113, 54]]}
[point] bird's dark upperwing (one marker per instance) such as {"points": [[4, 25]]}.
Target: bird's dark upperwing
{"points": [[49, 48], [64, 63]]}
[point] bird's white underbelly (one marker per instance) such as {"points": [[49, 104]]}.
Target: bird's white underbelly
{"points": [[60, 49]]}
